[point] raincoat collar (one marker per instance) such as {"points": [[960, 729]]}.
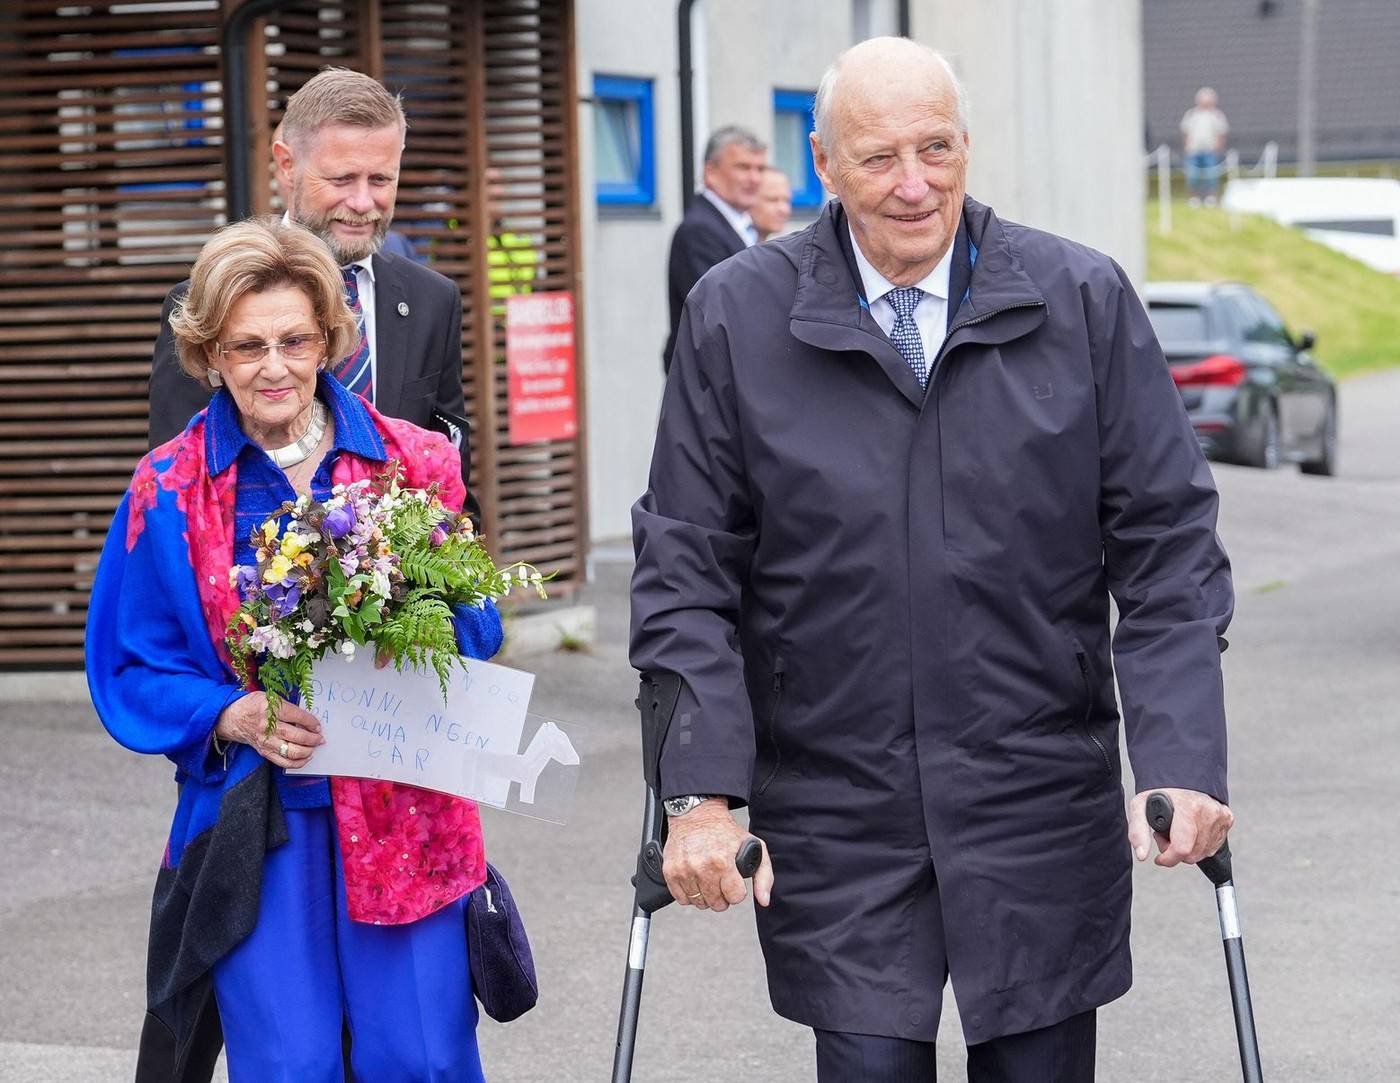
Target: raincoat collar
{"points": [[997, 301]]}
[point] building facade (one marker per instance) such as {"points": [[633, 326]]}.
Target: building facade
{"points": [[1056, 124], [544, 135]]}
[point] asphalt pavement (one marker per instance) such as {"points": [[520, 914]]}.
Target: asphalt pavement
{"points": [[1312, 686]]}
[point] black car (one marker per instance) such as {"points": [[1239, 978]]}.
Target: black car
{"points": [[1252, 392]]}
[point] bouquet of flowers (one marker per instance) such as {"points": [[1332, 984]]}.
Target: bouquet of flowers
{"points": [[375, 565]]}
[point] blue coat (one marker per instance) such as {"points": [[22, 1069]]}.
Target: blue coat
{"points": [[159, 685], [891, 614]]}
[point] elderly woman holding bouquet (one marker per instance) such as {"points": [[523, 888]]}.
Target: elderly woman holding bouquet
{"points": [[306, 907]]}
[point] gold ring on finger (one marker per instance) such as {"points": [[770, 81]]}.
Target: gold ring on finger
{"points": [[282, 748], [697, 895]]}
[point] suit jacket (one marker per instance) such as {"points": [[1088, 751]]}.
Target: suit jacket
{"points": [[703, 239], [418, 368]]}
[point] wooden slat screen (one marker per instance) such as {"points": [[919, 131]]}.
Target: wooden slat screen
{"points": [[527, 141], [111, 177]]}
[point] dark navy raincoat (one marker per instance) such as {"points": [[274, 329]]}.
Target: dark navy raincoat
{"points": [[890, 610]]}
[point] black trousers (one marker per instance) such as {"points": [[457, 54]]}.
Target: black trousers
{"points": [[1062, 1053]]}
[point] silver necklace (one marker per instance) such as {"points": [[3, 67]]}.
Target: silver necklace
{"points": [[299, 450]]}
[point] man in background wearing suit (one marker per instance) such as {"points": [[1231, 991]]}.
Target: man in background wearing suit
{"points": [[717, 224], [338, 167]]}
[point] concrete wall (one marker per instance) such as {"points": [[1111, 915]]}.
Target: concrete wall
{"points": [[1056, 96], [624, 260], [785, 44], [1056, 117]]}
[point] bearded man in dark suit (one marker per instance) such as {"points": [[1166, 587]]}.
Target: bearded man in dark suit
{"points": [[338, 166], [717, 223]]}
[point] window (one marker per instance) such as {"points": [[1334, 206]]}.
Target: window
{"points": [[624, 141], [1176, 324], [792, 153]]}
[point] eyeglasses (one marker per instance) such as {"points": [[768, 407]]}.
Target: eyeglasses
{"points": [[292, 348]]}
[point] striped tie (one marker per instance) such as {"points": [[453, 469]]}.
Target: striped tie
{"points": [[356, 373], [905, 332]]}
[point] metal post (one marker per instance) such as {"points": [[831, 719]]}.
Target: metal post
{"points": [[686, 84], [1307, 90], [233, 46], [1164, 188]]}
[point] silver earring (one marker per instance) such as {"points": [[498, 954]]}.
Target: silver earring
{"points": [[215, 380]]}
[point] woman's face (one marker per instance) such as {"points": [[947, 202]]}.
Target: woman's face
{"points": [[274, 394]]}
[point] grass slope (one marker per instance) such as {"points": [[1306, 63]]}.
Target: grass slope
{"points": [[1354, 310]]}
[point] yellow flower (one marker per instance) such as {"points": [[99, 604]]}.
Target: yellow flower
{"points": [[269, 531], [304, 559], [278, 569], [292, 545]]}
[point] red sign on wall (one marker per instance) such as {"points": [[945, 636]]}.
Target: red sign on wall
{"points": [[540, 367]]}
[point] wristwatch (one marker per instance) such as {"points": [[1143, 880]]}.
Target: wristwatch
{"points": [[679, 806]]}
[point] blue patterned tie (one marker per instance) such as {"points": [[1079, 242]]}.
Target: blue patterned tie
{"points": [[905, 332], [356, 373]]}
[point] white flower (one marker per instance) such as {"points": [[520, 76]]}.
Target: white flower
{"points": [[379, 583], [307, 626], [348, 648]]}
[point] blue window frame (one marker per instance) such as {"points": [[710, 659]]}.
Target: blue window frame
{"points": [[792, 153], [624, 141]]}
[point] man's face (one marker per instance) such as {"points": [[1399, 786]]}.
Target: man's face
{"points": [[735, 175], [898, 163], [343, 186], [773, 207]]}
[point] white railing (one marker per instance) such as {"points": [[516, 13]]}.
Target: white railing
{"points": [[1160, 160]]}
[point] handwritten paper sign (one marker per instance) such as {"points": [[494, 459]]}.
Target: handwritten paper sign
{"points": [[380, 723]]}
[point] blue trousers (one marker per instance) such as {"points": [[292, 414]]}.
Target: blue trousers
{"points": [[1062, 1053], [306, 969]]}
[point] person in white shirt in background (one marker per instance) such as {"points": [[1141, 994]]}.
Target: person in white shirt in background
{"points": [[1203, 132]]}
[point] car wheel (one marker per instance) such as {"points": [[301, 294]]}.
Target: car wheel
{"points": [[1326, 466], [1265, 450]]}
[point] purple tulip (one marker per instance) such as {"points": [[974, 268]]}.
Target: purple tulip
{"points": [[437, 537], [339, 521]]}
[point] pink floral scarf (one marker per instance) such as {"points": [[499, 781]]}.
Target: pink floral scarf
{"points": [[406, 852]]}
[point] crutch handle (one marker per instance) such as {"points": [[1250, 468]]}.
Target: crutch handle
{"points": [[1159, 817], [749, 857], [652, 892]]}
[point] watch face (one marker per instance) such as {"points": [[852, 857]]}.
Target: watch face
{"points": [[678, 806]]}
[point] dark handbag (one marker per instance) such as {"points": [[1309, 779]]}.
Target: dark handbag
{"points": [[503, 970]]}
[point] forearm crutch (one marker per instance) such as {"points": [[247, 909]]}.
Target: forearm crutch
{"points": [[1218, 871], [657, 702]]}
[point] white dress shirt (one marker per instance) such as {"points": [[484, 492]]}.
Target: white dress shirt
{"points": [[364, 282], [932, 314], [740, 220]]}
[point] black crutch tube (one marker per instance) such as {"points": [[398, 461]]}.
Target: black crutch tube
{"points": [[1218, 871], [657, 702]]}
